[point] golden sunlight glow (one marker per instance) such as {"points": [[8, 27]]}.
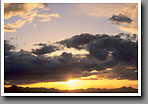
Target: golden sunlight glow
{"points": [[89, 77], [84, 84], [72, 81], [71, 84]]}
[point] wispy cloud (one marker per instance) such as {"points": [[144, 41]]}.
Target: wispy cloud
{"points": [[26, 12], [20, 9], [9, 29], [47, 17]]}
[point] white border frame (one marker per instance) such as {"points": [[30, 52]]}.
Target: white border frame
{"points": [[71, 94]]}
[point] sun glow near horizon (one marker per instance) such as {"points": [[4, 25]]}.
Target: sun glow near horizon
{"points": [[72, 81], [73, 84]]}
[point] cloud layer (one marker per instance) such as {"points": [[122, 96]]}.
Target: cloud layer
{"points": [[112, 57]]}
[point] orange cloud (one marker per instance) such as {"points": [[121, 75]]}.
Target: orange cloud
{"points": [[7, 29], [17, 24], [129, 28], [31, 16], [20, 9], [26, 13], [47, 17], [11, 27]]}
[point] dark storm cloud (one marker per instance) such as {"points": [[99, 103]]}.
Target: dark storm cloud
{"points": [[129, 37], [44, 49], [8, 48], [119, 72], [82, 40], [120, 19], [78, 41], [122, 72], [108, 52], [23, 67], [120, 49], [117, 52]]}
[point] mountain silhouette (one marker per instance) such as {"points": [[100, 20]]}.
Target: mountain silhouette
{"points": [[16, 89]]}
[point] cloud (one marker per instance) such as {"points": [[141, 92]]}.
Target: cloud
{"points": [[23, 67], [130, 29], [108, 52], [68, 55], [78, 41], [119, 72], [129, 10], [20, 9], [31, 16], [40, 44], [47, 17], [8, 48], [120, 49], [124, 23], [119, 53], [45, 49], [26, 12], [120, 19], [17, 24], [8, 29], [11, 27]]}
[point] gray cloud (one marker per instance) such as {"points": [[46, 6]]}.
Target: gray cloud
{"points": [[120, 19], [22, 67], [119, 49], [40, 44], [117, 52], [122, 47], [44, 49], [78, 41], [120, 72], [8, 48], [108, 52]]}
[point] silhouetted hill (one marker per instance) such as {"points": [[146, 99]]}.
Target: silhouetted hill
{"points": [[15, 89]]}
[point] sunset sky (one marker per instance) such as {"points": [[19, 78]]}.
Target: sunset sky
{"points": [[71, 46]]}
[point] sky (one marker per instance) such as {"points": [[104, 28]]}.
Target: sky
{"points": [[61, 45]]}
